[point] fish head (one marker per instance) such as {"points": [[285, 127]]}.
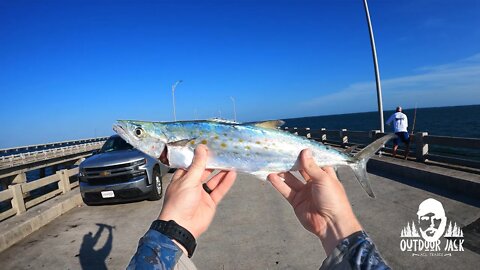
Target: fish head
{"points": [[144, 136]]}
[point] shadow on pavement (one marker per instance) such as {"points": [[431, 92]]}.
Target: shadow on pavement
{"points": [[91, 258]]}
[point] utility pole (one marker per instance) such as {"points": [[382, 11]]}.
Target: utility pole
{"points": [[375, 64], [173, 98]]}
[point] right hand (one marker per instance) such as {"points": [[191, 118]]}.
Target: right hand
{"points": [[320, 204]]}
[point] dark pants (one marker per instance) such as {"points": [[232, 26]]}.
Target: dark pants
{"points": [[401, 136]]}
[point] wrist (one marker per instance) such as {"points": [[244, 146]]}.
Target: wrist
{"points": [[337, 230]]}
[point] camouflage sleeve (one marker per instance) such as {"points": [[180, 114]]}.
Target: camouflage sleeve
{"points": [[357, 251], [155, 251]]}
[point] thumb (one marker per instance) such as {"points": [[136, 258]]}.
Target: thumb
{"points": [[196, 169], [308, 165]]}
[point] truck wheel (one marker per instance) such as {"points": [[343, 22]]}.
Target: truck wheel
{"points": [[157, 189]]}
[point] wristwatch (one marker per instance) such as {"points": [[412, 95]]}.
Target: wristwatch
{"points": [[176, 232]]}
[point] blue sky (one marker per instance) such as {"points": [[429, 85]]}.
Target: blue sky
{"points": [[69, 69]]}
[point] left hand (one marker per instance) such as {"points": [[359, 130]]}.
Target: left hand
{"points": [[187, 203]]}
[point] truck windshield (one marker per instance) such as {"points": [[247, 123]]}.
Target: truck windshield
{"points": [[115, 144]]}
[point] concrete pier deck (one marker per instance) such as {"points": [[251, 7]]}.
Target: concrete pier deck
{"points": [[254, 228]]}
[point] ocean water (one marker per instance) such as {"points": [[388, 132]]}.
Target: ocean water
{"points": [[456, 121]]}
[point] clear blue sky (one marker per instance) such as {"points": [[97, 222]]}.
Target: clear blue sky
{"points": [[69, 69]]}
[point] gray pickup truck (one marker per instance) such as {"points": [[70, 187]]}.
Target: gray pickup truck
{"points": [[118, 173]]}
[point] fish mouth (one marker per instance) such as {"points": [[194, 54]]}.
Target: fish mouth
{"points": [[164, 157]]}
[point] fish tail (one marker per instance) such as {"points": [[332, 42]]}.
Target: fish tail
{"points": [[359, 165]]}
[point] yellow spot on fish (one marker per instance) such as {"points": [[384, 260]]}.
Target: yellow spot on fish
{"points": [[257, 142], [204, 141], [192, 142], [247, 147], [265, 147], [240, 140], [223, 145], [225, 134], [216, 137], [248, 154]]}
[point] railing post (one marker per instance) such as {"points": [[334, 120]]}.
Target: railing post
{"points": [[421, 146], [308, 135], [343, 138], [64, 183], [17, 201], [20, 178], [295, 130], [374, 134], [323, 134]]}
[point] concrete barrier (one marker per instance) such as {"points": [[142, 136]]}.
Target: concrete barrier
{"points": [[17, 228]]}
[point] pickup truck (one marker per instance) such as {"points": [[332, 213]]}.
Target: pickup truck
{"points": [[118, 173]]}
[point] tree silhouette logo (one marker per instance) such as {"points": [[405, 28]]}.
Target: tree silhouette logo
{"points": [[423, 236]]}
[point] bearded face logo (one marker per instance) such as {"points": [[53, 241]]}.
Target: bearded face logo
{"points": [[431, 219]]}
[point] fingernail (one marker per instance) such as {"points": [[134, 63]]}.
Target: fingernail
{"points": [[308, 153]]}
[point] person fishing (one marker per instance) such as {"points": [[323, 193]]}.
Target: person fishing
{"points": [[320, 204], [400, 129]]}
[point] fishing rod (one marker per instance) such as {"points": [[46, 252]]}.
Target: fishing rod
{"points": [[413, 131]]}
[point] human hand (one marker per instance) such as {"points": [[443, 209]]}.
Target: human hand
{"points": [[187, 203], [321, 204]]}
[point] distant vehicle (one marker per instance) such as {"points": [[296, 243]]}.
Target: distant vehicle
{"points": [[118, 172]]}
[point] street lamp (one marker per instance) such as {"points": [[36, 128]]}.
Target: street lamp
{"points": [[173, 98], [234, 109], [375, 64]]}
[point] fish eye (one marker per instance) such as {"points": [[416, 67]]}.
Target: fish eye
{"points": [[139, 132]]}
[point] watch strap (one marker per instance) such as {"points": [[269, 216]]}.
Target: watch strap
{"points": [[176, 232]]}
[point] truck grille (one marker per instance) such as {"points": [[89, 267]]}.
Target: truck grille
{"points": [[112, 174]]}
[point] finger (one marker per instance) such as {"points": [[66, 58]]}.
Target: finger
{"points": [[223, 186], [281, 187], [293, 182], [206, 174], [330, 171], [305, 176], [213, 182], [179, 173], [307, 164], [196, 169]]}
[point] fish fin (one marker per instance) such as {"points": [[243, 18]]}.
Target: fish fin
{"points": [[360, 162], [262, 175], [180, 142], [350, 149], [271, 124]]}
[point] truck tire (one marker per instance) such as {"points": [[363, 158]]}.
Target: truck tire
{"points": [[157, 186]]}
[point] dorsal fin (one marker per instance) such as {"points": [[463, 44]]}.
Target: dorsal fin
{"points": [[272, 124]]}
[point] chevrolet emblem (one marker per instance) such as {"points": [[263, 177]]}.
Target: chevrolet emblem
{"points": [[105, 173]]}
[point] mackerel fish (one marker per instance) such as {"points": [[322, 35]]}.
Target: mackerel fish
{"points": [[254, 148]]}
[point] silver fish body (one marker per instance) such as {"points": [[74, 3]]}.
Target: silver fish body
{"points": [[246, 148]]}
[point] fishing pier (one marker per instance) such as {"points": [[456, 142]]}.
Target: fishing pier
{"points": [[254, 227]]}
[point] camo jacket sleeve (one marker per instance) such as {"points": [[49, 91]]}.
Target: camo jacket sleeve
{"points": [[157, 251], [357, 251]]}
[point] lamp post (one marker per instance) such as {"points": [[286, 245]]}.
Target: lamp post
{"points": [[173, 98], [375, 64], [234, 109]]}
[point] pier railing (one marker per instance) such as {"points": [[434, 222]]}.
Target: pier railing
{"points": [[459, 150], [18, 195]]}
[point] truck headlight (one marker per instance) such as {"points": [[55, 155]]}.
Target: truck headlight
{"points": [[140, 162]]}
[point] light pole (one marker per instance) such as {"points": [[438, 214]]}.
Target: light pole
{"points": [[173, 98], [375, 65], [234, 109]]}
